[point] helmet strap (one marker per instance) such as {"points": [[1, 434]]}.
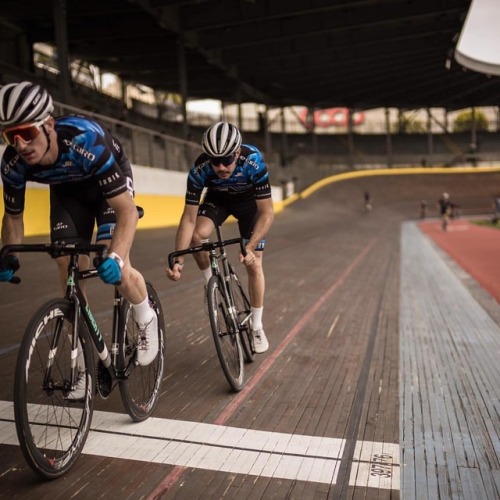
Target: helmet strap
{"points": [[47, 135]]}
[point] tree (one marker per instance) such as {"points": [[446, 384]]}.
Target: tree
{"points": [[407, 124], [463, 122]]}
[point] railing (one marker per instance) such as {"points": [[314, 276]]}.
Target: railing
{"points": [[143, 146]]}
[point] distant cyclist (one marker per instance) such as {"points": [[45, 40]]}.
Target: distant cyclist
{"points": [[367, 199], [237, 183], [445, 210], [90, 182]]}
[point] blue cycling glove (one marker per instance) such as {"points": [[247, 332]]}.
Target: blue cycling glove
{"points": [[110, 270], [11, 266]]}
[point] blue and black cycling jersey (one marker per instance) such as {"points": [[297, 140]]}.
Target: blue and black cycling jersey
{"points": [[250, 177], [88, 153]]}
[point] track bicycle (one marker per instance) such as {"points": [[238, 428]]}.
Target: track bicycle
{"points": [[228, 308], [57, 350]]}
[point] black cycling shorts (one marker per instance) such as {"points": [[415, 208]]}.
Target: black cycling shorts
{"points": [[218, 208], [75, 209]]}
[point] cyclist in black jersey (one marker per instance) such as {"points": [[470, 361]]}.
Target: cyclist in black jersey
{"points": [[445, 210], [90, 181], [236, 180]]}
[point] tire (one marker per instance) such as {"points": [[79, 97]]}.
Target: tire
{"points": [[140, 392], [227, 342], [244, 315], [52, 430]]}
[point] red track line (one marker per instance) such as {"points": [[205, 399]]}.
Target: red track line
{"points": [[177, 472]]}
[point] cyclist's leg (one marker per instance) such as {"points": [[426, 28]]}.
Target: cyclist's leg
{"points": [[71, 221], [256, 281], [203, 229], [210, 214], [132, 286], [246, 214]]}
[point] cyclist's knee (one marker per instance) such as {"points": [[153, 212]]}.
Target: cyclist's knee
{"points": [[255, 269], [202, 230]]}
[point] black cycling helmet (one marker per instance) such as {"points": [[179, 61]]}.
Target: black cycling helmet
{"points": [[23, 103], [221, 139]]}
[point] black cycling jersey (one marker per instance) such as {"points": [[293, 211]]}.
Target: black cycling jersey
{"points": [[444, 205], [236, 196], [88, 154], [250, 178]]}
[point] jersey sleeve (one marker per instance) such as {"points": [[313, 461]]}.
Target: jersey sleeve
{"points": [[14, 182], [259, 174], [99, 155], [196, 181]]}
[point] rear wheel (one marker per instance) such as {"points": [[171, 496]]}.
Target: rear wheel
{"points": [[51, 426], [226, 337], [140, 391]]}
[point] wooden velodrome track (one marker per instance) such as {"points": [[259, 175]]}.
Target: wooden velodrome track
{"points": [[322, 413]]}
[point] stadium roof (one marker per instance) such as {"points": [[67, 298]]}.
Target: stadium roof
{"points": [[324, 53]]}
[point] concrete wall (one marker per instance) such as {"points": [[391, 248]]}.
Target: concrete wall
{"points": [[159, 192]]}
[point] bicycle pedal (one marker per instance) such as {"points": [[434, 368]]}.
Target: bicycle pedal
{"points": [[104, 381]]}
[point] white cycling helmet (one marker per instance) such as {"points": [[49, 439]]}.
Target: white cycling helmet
{"points": [[23, 103], [221, 139]]}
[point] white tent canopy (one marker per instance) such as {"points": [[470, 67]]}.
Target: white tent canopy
{"points": [[478, 47]]}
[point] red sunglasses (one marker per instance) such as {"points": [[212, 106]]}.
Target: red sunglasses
{"points": [[26, 132], [224, 160]]}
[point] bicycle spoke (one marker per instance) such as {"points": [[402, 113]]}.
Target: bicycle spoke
{"points": [[140, 391], [226, 337], [52, 429]]}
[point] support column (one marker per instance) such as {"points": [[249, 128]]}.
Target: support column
{"points": [[388, 138], [473, 137], [314, 137], [61, 32], [430, 138], [350, 138], [181, 54], [284, 141], [267, 134], [239, 109]]}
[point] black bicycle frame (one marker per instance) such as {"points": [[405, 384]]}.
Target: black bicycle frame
{"points": [[80, 306], [211, 247], [76, 297]]}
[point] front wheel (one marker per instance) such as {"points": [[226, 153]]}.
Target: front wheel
{"points": [[140, 390], [244, 313], [51, 425], [226, 336]]}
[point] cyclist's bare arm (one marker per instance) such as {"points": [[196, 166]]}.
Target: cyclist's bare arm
{"points": [[183, 238], [126, 223]]}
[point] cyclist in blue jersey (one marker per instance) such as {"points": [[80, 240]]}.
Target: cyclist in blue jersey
{"points": [[236, 180], [90, 180]]}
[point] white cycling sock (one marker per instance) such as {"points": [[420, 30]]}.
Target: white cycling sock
{"points": [[257, 318], [207, 274], [143, 312]]}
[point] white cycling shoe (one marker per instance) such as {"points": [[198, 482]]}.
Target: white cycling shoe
{"points": [[260, 343], [147, 347]]}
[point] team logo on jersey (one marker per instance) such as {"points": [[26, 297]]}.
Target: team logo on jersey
{"points": [[253, 164], [10, 164], [9, 199], [108, 180], [60, 226], [81, 151]]}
